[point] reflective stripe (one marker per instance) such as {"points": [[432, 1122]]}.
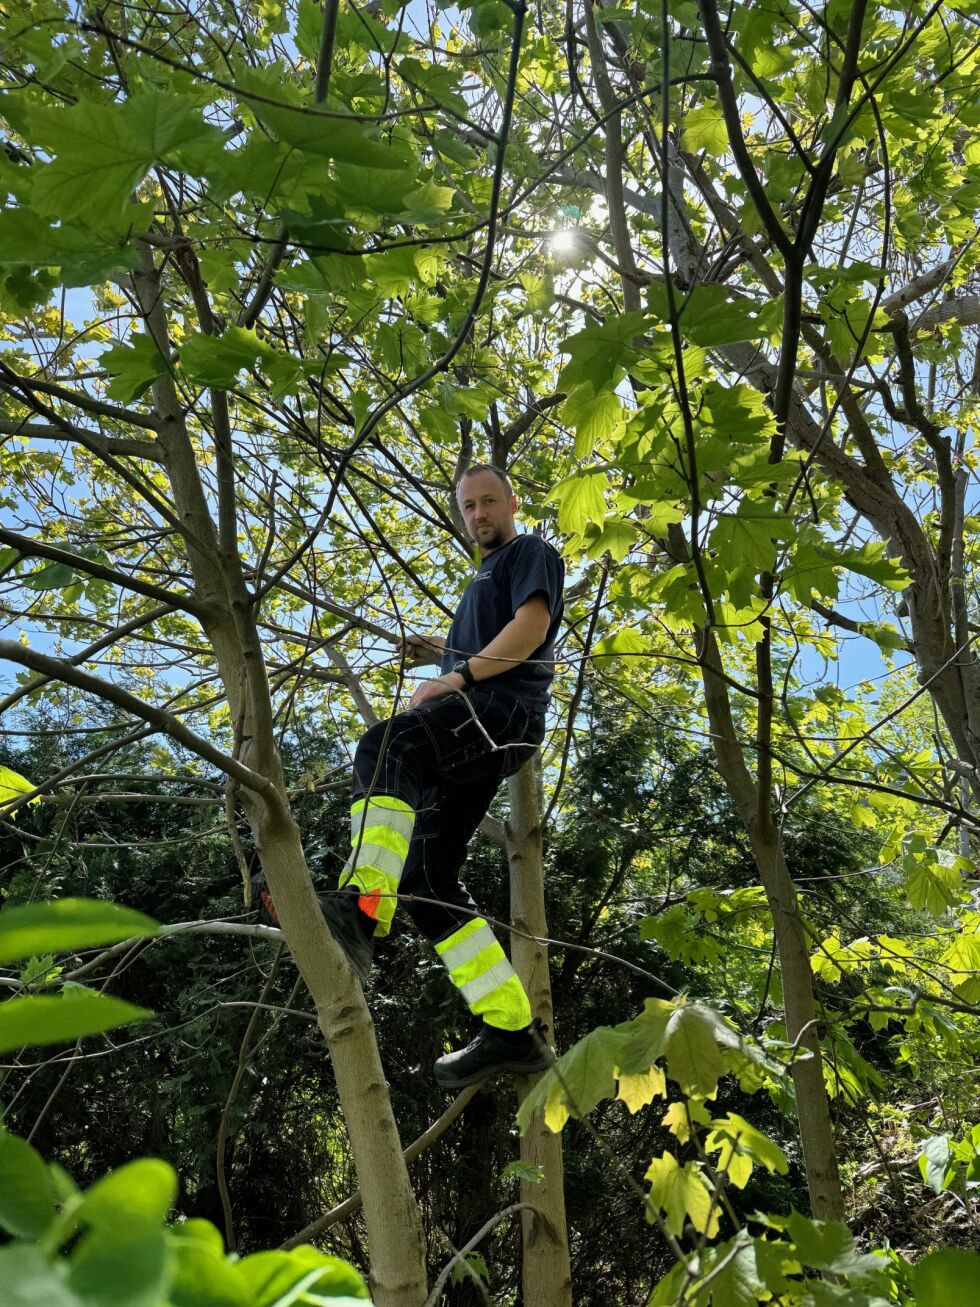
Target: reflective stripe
{"points": [[382, 810], [381, 827], [464, 932], [457, 954], [390, 861], [382, 838], [498, 974], [368, 879], [479, 969]]}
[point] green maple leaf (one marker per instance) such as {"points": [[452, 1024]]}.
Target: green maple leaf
{"points": [[681, 1193], [693, 1057], [645, 1035], [735, 1282], [83, 256], [314, 129], [428, 203], [581, 500], [712, 315], [217, 360], [12, 784], [811, 568], [584, 1075], [600, 354], [963, 960], [133, 367], [739, 1146], [309, 29], [739, 412], [704, 129], [829, 1246], [103, 151], [625, 641], [749, 536], [594, 416], [871, 561], [933, 888], [616, 537]]}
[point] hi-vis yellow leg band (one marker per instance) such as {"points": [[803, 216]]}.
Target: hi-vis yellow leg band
{"points": [[380, 828], [479, 969]]}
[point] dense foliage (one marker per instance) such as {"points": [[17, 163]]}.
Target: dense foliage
{"points": [[703, 278]]}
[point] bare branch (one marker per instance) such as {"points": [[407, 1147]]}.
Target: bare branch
{"points": [[59, 669], [92, 439], [104, 642], [353, 1203], [32, 548]]}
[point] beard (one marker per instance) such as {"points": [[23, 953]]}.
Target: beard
{"points": [[489, 539]]}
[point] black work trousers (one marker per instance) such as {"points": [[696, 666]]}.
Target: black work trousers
{"points": [[437, 759]]}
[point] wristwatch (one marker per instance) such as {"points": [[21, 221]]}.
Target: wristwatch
{"points": [[463, 667]]}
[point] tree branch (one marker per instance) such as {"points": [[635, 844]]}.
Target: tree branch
{"points": [[94, 440], [353, 1204], [31, 548], [104, 642], [59, 669]]}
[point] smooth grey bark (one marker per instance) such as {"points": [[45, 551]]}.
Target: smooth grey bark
{"points": [[546, 1272]]}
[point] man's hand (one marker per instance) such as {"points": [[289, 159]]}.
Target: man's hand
{"points": [[436, 688], [418, 650]]}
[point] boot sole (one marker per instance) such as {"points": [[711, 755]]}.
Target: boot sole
{"points": [[501, 1069]]}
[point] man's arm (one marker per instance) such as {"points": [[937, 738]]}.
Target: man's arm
{"points": [[524, 633], [418, 650]]}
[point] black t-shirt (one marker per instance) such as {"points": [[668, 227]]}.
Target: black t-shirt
{"points": [[524, 567]]}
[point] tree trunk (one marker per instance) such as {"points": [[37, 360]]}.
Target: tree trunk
{"points": [[547, 1279], [813, 1107], [396, 1245], [395, 1242]]}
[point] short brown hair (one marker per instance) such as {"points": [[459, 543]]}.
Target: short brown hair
{"points": [[501, 476]]}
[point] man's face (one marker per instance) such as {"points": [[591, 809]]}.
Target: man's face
{"points": [[487, 510]]}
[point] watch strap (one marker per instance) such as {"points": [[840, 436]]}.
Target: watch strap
{"points": [[463, 667]]}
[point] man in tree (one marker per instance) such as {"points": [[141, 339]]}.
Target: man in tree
{"points": [[424, 779]]}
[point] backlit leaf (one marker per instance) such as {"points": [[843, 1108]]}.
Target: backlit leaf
{"points": [[133, 367], [581, 500], [27, 1022], [11, 785], [103, 151], [740, 1146], [713, 315], [693, 1056], [26, 1192], [64, 924], [704, 129], [314, 130], [640, 1090], [681, 1194]]}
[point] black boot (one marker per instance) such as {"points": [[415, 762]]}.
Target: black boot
{"points": [[347, 925], [495, 1053]]}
